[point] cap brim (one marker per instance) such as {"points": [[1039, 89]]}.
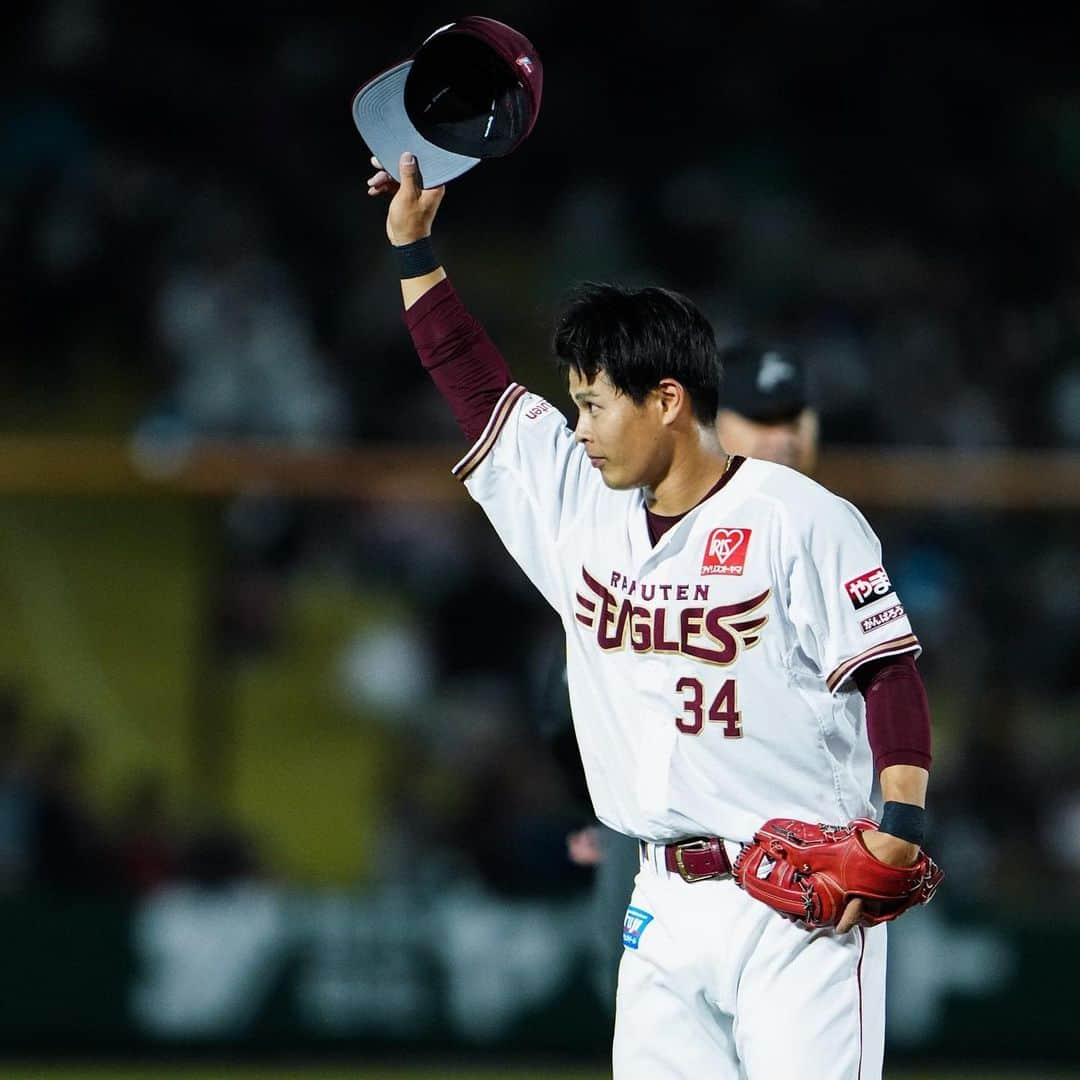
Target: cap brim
{"points": [[379, 114]]}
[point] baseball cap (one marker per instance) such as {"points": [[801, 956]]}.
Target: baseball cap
{"points": [[470, 91], [761, 382]]}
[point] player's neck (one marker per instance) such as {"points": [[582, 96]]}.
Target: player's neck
{"points": [[696, 466]]}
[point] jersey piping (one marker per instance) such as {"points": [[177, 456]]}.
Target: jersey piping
{"points": [[884, 648], [499, 415]]}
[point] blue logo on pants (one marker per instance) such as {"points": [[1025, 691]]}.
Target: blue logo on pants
{"points": [[634, 926]]}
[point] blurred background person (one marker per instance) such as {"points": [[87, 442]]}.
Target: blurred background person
{"points": [[764, 409], [18, 794]]}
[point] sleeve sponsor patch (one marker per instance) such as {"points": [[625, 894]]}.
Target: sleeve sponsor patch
{"points": [[882, 618], [725, 552], [868, 588]]}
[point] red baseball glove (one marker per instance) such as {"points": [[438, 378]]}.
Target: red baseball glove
{"points": [[810, 872]]}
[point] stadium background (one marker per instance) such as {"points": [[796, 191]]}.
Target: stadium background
{"points": [[263, 796]]}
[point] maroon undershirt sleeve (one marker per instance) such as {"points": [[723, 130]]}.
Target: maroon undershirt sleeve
{"points": [[461, 359], [897, 712]]}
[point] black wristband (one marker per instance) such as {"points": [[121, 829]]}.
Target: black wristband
{"points": [[904, 820], [416, 259]]}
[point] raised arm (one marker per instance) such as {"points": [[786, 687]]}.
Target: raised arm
{"points": [[455, 349]]}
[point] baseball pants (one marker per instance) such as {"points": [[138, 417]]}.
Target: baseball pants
{"points": [[714, 983]]}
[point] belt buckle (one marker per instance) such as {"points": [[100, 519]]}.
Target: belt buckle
{"points": [[695, 846]]}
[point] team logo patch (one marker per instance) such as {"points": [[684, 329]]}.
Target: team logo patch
{"points": [[868, 588], [880, 618], [725, 552], [634, 926]]}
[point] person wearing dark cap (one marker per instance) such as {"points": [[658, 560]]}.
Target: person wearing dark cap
{"points": [[764, 409]]}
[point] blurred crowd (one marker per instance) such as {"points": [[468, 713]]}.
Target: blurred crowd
{"points": [[56, 835], [182, 217], [900, 206]]}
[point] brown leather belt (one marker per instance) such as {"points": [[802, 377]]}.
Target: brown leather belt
{"points": [[697, 859]]}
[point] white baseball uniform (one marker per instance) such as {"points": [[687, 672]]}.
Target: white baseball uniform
{"points": [[709, 683]]}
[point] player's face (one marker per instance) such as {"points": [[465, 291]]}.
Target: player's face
{"points": [[625, 441], [791, 442]]}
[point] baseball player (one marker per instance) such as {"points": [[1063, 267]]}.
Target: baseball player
{"points": [[764, 413], [738, 663]]}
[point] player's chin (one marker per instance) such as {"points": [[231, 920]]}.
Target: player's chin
{"points": [[625, 478], [613, 479]]}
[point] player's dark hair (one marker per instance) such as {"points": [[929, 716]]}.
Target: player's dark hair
{"points": [[638, 337]]}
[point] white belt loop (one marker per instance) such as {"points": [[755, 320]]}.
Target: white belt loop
{"points": [[653, 855]]}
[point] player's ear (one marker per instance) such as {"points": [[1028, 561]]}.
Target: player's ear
{"points": [[672, 399]]}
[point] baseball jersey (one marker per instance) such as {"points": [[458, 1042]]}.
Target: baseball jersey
{"points": [[708, 674]]}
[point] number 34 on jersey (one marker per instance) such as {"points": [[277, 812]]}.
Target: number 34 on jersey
{"points": [[712, 634]]}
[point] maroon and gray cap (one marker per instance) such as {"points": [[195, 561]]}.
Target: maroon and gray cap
{"points": [[470, 91]]}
